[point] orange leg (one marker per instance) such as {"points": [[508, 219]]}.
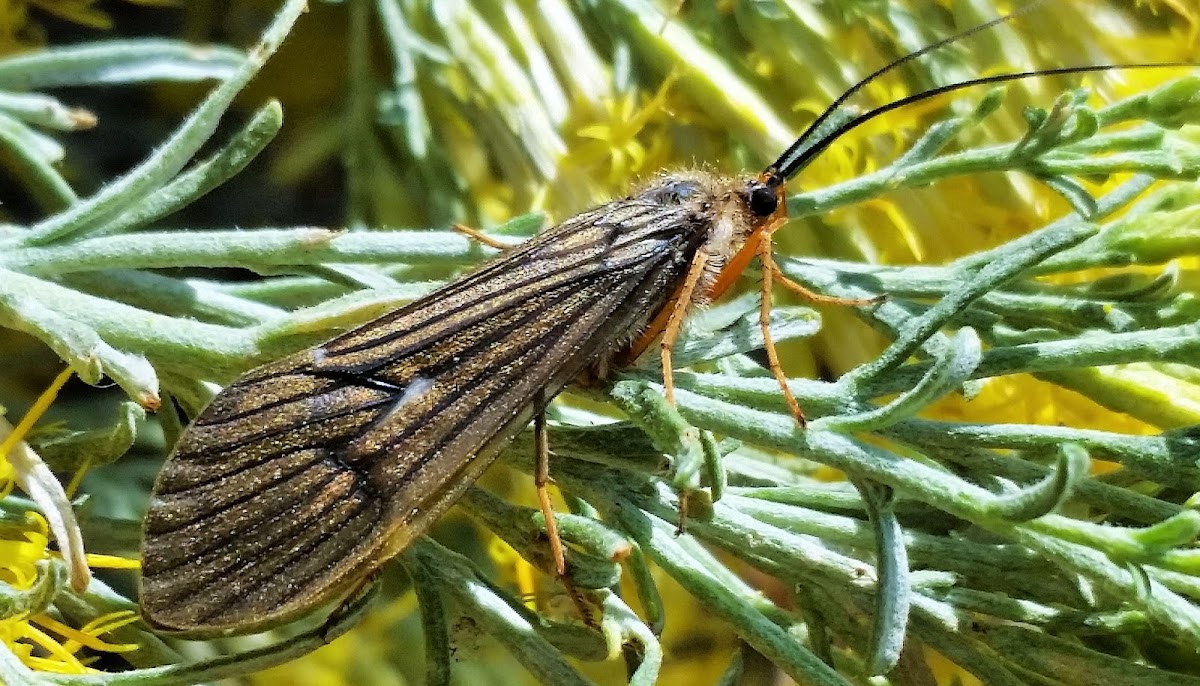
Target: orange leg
{"points": [[678, 311], [669, 321], [480, 236], [541, 479], [764, 321], [753, 247], [681, 525], [733, 269], [813, 296], [656, 326]]}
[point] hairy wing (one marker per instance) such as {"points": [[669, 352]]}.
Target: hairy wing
{"points": [[309, 472]]}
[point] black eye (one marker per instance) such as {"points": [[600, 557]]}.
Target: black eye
{"points": [[762, 199]]}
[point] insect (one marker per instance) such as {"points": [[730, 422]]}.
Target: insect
{"points": [[308, 473]]}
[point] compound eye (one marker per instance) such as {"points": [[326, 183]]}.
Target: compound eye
{"points": [[762, 199]]}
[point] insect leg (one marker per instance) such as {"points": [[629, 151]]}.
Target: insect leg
{"points": [[764, 321], [541, 478], [678, 310], [813, 296], [480, 236], [685, 496], [733, 269]]}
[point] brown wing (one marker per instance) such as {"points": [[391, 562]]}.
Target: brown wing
{"points": [[309, 472]]}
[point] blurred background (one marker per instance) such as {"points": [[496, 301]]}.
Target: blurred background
{"points": [[406, 113]]}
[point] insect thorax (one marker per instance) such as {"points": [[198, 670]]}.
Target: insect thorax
{"points": [[719, 207]]}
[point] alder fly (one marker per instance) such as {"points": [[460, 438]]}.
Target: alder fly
{"points": [[308, 473]]}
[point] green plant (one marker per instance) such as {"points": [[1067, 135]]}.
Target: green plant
{"points": [[992, 543]]}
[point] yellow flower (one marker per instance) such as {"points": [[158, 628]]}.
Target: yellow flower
{"points": [[21, 549], [31, 640], [24, 550], [622, 146]]}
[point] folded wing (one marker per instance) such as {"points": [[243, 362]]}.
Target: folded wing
{"points": [[307, 473]]}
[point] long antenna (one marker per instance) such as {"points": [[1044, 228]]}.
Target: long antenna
{"points": [[799, 155], [828, 128]]}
